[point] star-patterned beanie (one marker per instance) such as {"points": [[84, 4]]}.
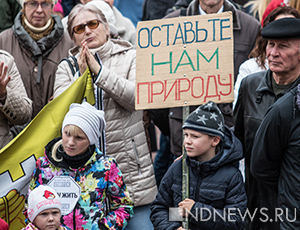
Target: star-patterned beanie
{"points": [[207, 119]]}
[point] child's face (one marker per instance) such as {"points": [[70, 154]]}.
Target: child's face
{"points": [[48, 219], [74, 144], [200, 145]]}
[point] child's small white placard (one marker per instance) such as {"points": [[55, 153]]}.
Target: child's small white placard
{"points": [[68, 191]]}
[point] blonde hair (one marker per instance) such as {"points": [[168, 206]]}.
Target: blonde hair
{"points": [[258, 7], [73, 130], [57, 147]]}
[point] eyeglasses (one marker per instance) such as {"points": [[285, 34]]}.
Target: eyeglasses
{"points": [[93, 24], [35, 5]]}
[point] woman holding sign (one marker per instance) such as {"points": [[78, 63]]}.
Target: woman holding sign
{"points": [[112, 64], [83, 178]]}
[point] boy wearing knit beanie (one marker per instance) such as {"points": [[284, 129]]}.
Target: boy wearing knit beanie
{"points": [[216, 185], [44, 209]]}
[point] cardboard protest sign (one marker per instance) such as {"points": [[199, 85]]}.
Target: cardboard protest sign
{"points": [[184, 61]]}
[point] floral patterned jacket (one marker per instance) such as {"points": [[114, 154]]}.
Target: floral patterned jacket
{"points": [[31, 226], [99, 179]]}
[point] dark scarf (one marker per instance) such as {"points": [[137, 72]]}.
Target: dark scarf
{"points": [[78, 161], [44, 46], [74, 162]]}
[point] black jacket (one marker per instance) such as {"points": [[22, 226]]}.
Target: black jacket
{"points": [[156, 9], [215, 185], [275, 159], [255, 97]]}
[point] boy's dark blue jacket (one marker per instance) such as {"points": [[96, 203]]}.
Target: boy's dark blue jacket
{"points": [[215, 185]]}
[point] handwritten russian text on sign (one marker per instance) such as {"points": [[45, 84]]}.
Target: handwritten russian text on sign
{"points": [[68, 191], [184, 61]]}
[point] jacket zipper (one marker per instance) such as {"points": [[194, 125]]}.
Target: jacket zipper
{"points": [[136, 156], [198, 184], [74, 211]]}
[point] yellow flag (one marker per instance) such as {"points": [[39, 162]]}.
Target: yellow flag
{"points": [[18, 157]]}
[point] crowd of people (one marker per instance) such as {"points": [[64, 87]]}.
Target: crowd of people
{"points": [[241, 156]]}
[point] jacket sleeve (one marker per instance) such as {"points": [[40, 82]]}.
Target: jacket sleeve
{"points": [[245, 69], [163, 201], [231, 216], [120, 88], [238, 113], [268, 149], [121, 206], [63, 78], [17, 107]]}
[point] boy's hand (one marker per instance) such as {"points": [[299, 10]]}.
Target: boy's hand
{"points": [[185, 205], [181, 228]]}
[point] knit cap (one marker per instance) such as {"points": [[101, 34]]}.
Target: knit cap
{"points": [[85, 116], [40, 199], [21, 2], [207, 119]]}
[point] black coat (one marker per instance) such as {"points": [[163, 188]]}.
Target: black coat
{"points": [[275, 160], [156, 9], [214, 185], [255, 98]]}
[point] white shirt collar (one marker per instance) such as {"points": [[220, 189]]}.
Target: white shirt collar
{"points": [[202, 12]]}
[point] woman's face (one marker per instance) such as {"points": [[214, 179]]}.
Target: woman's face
{"points": [[38, 12], [74, 144], [93, 37]]}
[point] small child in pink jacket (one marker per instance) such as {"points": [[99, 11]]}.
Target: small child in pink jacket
{"points": [[44, 209]]}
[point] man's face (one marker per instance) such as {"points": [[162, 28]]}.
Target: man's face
{"points": [[283, 55], [40, 15], [211, 6]]}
